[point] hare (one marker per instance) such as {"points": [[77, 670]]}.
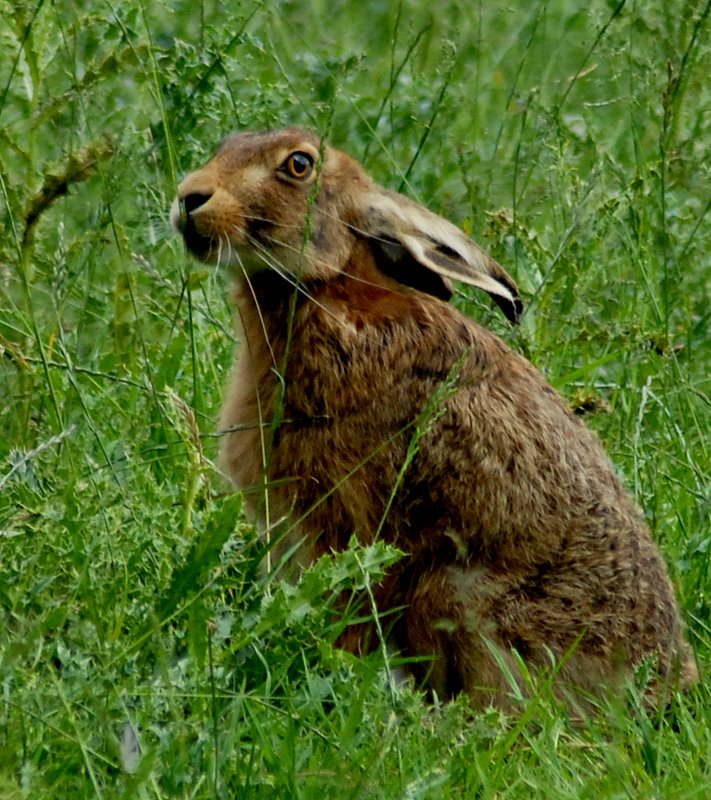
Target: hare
{"points": [[362, 403]]}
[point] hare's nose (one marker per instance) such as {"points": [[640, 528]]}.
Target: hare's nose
{"points": [[193, 201]]}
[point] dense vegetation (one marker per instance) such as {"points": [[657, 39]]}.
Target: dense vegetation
{"points": [[141, 654]]}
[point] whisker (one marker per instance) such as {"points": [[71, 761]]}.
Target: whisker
{"points": [[270, 261], [323, 262], [230, 251], [272, 264], [266, 220], [159, 228], [259, 311], [264, 251]]}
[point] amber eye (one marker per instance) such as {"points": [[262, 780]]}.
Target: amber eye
{"points": [[298, 165]]}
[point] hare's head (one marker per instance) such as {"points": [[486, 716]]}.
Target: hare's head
{"points": [[285, 201]]}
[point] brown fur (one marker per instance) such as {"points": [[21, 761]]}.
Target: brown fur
{"points": [[517, 531]]}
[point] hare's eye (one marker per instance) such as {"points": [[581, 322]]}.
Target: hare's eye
{"points": [[298, 165]]}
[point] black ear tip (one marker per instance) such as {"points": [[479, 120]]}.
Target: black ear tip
{"points": [[512, 308]]}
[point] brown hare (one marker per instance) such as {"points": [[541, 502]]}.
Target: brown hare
{"points": [[363, 404]]}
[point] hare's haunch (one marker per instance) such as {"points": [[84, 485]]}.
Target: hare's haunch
{"points": [[401, 418]]}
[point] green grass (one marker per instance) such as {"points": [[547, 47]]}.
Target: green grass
{"points": [[141, 655]]}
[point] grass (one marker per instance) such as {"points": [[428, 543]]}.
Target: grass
{"points": [[141, 655]]}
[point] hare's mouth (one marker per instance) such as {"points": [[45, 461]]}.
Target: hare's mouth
{"points": [[199, 245], [202, 246]]}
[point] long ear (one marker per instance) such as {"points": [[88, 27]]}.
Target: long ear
{"points": [[422, 250]]}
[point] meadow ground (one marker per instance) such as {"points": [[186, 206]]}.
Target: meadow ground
{"points": [[141, 655]]}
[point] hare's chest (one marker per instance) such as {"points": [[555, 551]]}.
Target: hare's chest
{"points": [[246, 422]]}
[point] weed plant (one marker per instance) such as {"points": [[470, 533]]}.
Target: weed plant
{"points": [[142, 653]]}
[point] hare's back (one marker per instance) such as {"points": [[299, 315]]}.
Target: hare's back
{"points": [[492, 446]]}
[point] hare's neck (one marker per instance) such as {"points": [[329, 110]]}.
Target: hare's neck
{"points": [[264, 307]]}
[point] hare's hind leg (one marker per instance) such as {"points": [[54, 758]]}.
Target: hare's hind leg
{"points": [[450, 633], [469, 622], [443, 632]]}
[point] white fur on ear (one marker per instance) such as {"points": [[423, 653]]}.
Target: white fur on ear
{"points": [[434, 243]]}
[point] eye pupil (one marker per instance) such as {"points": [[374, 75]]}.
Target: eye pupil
{"points": [[299, 164]]}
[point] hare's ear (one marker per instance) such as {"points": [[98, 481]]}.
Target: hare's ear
{"points": [[422, 250]]}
